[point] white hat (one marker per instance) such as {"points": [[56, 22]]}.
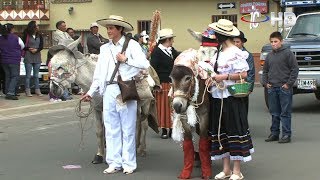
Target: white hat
{"points": [[116, 20], [94, 24], [165, 33], [225, 27]]}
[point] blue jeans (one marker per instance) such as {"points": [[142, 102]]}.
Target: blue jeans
{"points": [[280, 107], [36, 68], [11, 77]]}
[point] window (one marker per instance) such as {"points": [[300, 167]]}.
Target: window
{"points": [[144, 25], [23, 4], [232, 18]]}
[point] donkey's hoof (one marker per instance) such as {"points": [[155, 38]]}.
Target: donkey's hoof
{"points": [[97, 159], [142, 153]]}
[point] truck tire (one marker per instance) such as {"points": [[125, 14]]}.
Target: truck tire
{"points": [[317, 93], [266, 97]]}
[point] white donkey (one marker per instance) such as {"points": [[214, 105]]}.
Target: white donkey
{"points": [[71, 66]]}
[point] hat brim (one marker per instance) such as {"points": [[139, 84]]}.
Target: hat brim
{"points": [[127, 26], [166, 37], [235, 31]]}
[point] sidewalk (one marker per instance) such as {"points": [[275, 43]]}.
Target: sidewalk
{"points": [[33, 104]]}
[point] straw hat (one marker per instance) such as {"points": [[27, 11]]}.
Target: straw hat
{"points": [[116, 20], [166, 33], [225, 27]]}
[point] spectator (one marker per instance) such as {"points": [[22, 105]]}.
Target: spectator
{"points": [[33, 45], [70, 31], [162, 58], [119, 118], [95, 40], [280, 71], [60, 34], [239, 42], [10, 47]]}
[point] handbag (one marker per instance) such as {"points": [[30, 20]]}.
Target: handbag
{"points": [[240, 89], [128, 88]]}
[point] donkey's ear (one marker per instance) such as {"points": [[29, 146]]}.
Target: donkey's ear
{"points": [[196, 35]]}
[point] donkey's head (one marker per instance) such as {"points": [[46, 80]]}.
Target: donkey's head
{"points": [[183, 76], [183, 82], [63, 66]]}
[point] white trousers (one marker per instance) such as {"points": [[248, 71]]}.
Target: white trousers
{"points": [[120, 127]]}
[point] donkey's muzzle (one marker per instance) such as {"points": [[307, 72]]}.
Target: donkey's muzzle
{"points": [[177, 107]]}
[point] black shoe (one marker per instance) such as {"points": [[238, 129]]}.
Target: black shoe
{"points": [[272, 138], [170, 132], [164, 134], [11, 97], [97, 159], [285, 139]]}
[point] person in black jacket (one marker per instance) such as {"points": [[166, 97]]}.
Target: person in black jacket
{"points": [[280, 71], [32, 57], [162, 59], [95, 40]]}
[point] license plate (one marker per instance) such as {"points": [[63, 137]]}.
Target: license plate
{"points": [[45, 77], [307, 84]]}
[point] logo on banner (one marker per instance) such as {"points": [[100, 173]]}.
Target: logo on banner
{"points": [[255, 18]]}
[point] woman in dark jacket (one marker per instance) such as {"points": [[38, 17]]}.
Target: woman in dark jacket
{"points": [[32, 59], [10, 47], [162, 59]]}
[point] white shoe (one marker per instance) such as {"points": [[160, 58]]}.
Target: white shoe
{"points": [[128, 171], [222, 175], [111, 170]]}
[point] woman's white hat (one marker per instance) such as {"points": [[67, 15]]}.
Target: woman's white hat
{"points": [[116, 20], [166, 33], [225, 27]]}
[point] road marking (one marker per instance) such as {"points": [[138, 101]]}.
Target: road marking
{"points": [[34, 113], [46, 127]]}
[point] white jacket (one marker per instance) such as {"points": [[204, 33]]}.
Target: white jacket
{"points": [[107, 61]]}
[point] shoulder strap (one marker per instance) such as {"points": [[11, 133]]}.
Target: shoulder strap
{"points": [[124, 47]]}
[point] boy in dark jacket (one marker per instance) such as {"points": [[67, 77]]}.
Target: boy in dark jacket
{"points": [[280, 71]]}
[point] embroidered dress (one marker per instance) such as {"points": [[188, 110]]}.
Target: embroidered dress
{"points": [[234, 133]]}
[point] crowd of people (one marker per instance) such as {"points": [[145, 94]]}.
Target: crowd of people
{"points": [[229, 132]]}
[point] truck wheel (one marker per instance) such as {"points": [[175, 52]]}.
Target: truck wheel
{"points": [[266, 97], [317, 93]]}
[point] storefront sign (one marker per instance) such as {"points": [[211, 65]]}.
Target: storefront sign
{"points": [[70, 1], [254, 18], [261, 5]]}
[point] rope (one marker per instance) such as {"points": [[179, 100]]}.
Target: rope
{"points": [[83, 120]]}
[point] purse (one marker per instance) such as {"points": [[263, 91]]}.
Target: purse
{"points": [[128, 88], [240, 89]]}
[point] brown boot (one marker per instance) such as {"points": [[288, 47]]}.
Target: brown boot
{"points": [[188, 156], [28, 92], [204, 152], [38, 92]]}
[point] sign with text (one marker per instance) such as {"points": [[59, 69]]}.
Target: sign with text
{"points": [[226, 5], [70, 1], [261, 5]]}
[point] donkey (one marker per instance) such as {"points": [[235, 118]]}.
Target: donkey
{"points": [[190, 101], [73, 67]]}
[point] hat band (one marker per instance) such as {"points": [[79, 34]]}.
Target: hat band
{"points": [[209, 44], [224, 29]]}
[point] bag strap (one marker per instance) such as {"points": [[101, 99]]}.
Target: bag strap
{"points": [[124, 47]]}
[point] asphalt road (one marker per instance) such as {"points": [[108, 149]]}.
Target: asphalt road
{"points": [[35, 147]]}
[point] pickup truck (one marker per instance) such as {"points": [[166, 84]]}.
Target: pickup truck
{"points": [[304, 41]]}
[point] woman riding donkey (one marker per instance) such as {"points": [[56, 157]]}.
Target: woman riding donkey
{"points": [[229, 127]]}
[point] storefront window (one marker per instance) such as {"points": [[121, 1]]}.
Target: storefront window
{"points": [[22, 4], [232, 18]]}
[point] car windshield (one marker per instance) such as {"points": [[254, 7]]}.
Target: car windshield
{"points": [[308, 25]]}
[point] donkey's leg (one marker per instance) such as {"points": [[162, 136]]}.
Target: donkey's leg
{"points": [[204, 148], [98, 158], [138, 126], [145, 105], [188, 152]]}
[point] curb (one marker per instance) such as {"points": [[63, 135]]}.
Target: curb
{"points": [[37, 108]]}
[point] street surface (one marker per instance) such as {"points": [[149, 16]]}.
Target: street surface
{"points": [[35, 147]]}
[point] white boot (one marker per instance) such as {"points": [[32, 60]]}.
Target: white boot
{"points": [[28, 92], [38, 92]]}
